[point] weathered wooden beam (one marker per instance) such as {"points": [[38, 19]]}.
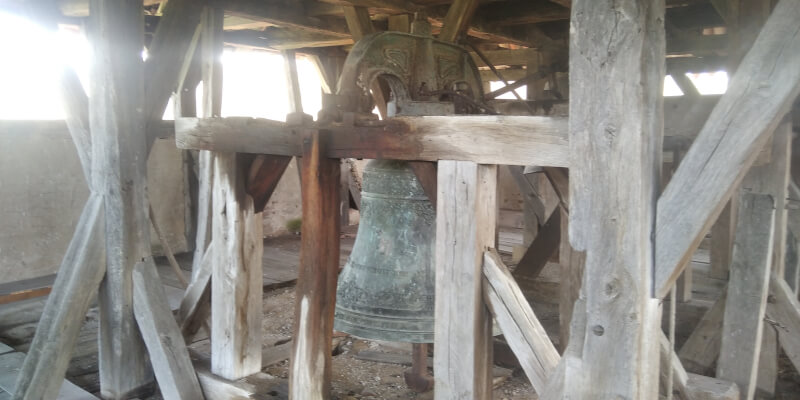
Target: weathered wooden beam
{"points": [[767, 379], [310, 369], [116, 101], [722, 235], [400, 23], [210, 52], [76, 106], [533, 210], [425, 171], [532, 204], [700, 387], [236, 231], [195, 306], [168, 354], [729, 142], [263, 177], [698, 46], [266, 170], [466, 211], [607, 357], [773, 179], [279, 14], [358, 21], [683, 286], [24, 289], [700, 351], [522, 12], [541, 249], [523, 331], [237, 277], [563, 3], [80, 8], [572, 266], [10, 363], [398, 5], [503, 140], [792, 274], [80, 273], [747, 292], [279, 38], [176, 36], [457, 20], [670, 366], [783, 311]]}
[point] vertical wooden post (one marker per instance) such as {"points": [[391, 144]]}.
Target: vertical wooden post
{"points": [[237, 277], [747, 293], [572, 263], [236, 231], [722, 235], [466, 214], [119, 155], [683, 286], [615, 143], [211, 75], [773, 179], [310, 370]]}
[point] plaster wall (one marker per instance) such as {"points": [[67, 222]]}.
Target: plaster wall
{"points": [[42, 192]]}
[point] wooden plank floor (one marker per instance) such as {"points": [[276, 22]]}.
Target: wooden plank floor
{"points": [[281, 257], [18, 319], [10, 364]]}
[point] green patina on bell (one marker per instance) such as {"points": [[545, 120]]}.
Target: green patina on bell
{"points": [[386, 290]]}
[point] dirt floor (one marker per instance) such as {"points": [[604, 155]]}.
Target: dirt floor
{"points": [[354, 378]]}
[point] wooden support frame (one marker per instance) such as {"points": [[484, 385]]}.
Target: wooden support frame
{"points": [[523, 331], [80, 273], [728, 143], [237, 277], [173, 369], [175, 37], [295, 145], [84, 267], [747, 293], [310, 368], [236, 234], [571, 279], [700, 351], [722, 234], [783, 311], [456, 22], [465, 227], [605, 141], [509, 140], [543, 247], [119, 158]]}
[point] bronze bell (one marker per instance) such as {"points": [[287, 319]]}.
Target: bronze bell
{"points": [[386, 290]]}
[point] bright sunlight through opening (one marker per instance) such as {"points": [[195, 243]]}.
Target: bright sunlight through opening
{"points": [[254, 82]]}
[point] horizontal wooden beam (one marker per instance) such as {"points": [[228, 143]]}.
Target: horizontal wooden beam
{"points": [[513, 140], [26, 289], [283, 39], [516, 57], [280, 15], [522, 12]]}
